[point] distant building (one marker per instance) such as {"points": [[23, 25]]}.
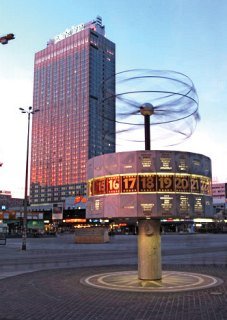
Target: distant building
{"points": [[219, 192], [72, 125], [7, 202]]}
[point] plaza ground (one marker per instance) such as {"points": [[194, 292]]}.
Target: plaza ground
{"points": [[44, 282]]}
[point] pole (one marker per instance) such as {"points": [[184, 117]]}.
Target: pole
{"points": [[24, 230], [149, 239], [24, 233], [149, 250], [147, 132], [147, 110]]}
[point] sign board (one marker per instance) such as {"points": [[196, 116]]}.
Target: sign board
{"points": [[57, 212]]}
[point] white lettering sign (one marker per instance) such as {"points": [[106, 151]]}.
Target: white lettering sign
{"points": [[69, 32]]}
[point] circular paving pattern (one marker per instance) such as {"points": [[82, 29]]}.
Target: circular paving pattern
{"points": [[172, 281]]}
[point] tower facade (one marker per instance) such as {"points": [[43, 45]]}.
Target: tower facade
{"points": [[75, 122]]}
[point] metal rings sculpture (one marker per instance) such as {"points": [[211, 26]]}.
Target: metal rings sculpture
{"points": [[171, 96]]}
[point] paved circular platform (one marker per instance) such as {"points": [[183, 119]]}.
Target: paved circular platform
{"points": [[172, 281]]}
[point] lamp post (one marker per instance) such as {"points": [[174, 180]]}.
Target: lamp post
{"points": [[5, 39], [24, 232]]}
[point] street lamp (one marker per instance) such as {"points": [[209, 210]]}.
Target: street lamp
{"points": [[5, 39], [24, 232]]}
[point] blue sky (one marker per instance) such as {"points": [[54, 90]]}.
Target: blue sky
{"points": [[180, 35]]}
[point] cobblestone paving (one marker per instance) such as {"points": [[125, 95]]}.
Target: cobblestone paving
{"points": [[59, 295]]}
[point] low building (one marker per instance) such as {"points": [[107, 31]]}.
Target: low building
{"points": [[219, 193], [6, 200]]}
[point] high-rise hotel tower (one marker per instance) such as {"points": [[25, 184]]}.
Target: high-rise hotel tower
{"points": [[75, 121]]}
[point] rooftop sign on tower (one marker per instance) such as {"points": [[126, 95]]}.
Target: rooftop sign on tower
{"points": [[94, 24]]}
